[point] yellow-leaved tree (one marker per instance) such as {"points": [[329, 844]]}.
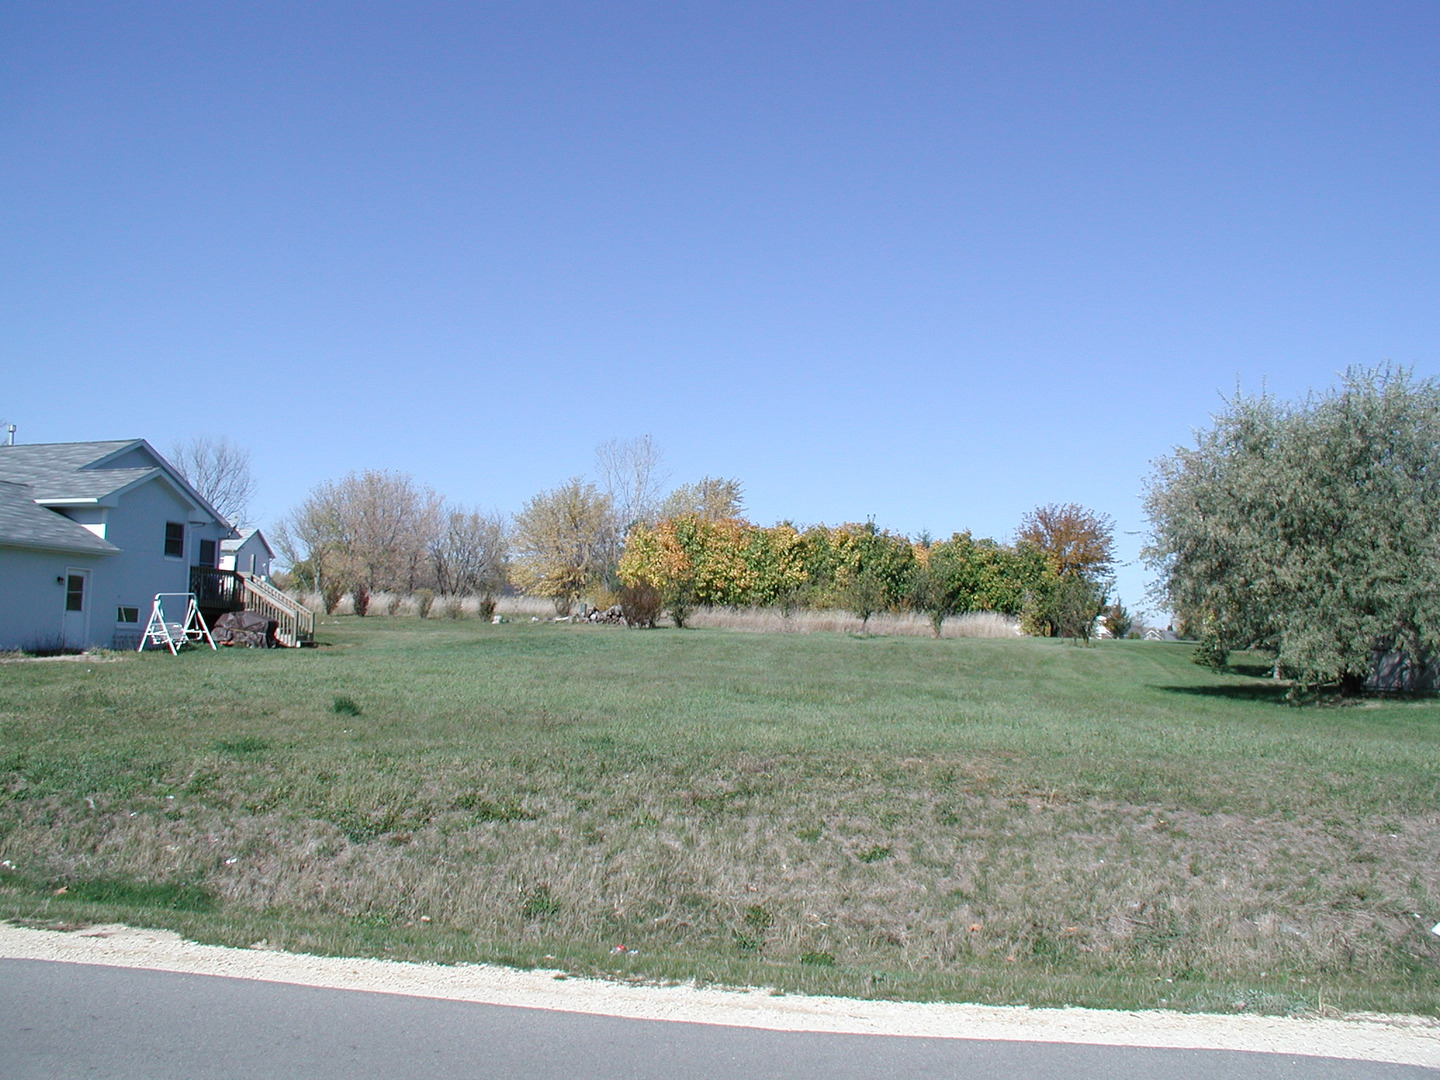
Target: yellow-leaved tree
{"points": [[562, 539]]}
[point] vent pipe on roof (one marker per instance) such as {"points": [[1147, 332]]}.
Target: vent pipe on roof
{"points": [[10, 435]]}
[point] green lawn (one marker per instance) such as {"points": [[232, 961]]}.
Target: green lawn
{"points": [[999, 821]]}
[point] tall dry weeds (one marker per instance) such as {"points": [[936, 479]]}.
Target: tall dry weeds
{"points": [[765, 855], [975, 624]]}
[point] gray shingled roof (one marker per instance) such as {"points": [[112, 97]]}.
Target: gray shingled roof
{"points": [[90, 484], [59, 470], [42, 459], [71, 472], [235, 544], [24, 524]]}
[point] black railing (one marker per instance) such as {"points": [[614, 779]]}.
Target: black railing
{"points": [[217, 590]]}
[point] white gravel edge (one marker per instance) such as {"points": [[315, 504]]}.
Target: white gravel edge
{"points": [[1399, 1040]]}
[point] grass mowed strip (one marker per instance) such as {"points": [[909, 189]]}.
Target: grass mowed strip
{"points": [[1005, 821]]}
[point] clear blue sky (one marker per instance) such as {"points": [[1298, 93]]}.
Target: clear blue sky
{"points": [[928, 263]]}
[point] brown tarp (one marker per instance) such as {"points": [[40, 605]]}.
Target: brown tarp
{"points": [[244, 628]]}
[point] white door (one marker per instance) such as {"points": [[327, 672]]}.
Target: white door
{"points": [[76, 628]]}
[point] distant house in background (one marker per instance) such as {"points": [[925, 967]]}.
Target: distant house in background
{"points": [[249, 553], [90, 532]]}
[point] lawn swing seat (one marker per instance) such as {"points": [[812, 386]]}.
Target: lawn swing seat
{"points": [[175, 633]]}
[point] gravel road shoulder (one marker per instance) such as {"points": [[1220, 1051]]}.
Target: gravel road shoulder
{"points": [[1401, 1040]]}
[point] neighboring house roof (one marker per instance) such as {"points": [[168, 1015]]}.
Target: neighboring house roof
{"points": [[25, 524], [67, 474], [229, 547]]}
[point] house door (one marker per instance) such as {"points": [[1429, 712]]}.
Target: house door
{"points": [[75, 630]]}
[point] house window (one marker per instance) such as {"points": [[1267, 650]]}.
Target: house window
{"points": [[75, 592], [207, 553], [174, 539], [128, 615]]}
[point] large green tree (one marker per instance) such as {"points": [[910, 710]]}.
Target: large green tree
{"points": [[1308, 528]]}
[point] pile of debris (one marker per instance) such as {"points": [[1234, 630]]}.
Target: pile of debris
{"points": [[245, 628]]}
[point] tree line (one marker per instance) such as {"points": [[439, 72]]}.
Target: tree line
{"points": [[1303, 529], [377, 531], [1054, 585], [626, 541]]}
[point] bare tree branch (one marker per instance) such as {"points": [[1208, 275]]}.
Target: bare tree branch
{"points": [[371, 531], [632, 474], [714, 498], [220, 471], [471, 553]]}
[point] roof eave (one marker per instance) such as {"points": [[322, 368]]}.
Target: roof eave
{"points": [[67, 549]]}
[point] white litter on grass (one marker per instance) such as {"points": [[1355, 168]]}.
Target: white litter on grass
{"points": [[1435, 929], [1399, 1040]]}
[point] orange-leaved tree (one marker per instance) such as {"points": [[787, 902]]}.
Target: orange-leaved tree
{"points": [[1080, 545], [1078, 541]]}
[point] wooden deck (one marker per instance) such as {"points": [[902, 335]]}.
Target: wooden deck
{"points": [[219, 591]]}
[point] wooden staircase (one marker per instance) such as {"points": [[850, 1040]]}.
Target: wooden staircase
{"points": [[294, 622], [219, 591]]}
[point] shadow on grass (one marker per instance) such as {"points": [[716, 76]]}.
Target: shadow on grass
{"points": [[1251, 670], [1245, 692]]}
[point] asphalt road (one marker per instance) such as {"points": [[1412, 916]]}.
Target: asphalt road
{"points": [[75, 1020]]}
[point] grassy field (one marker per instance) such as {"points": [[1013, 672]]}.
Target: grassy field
{"points": [[1008, 821]]}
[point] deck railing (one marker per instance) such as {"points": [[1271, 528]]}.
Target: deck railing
{"points": [[294, 622], [217, 590]]}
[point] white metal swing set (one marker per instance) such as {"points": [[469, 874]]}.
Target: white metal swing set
{"points": [[164, 629]]}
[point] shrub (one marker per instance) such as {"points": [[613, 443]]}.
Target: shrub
{"points": [[424, 601], [454, 607], [640, 604], [486, 607], [1117, 620], [680, 608], [1211, 653], [1067, 608], [330, 593], [864, 596], [360, 599]]}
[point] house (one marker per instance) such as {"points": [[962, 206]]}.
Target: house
{"points": [[249, 552], [91, 531]]}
